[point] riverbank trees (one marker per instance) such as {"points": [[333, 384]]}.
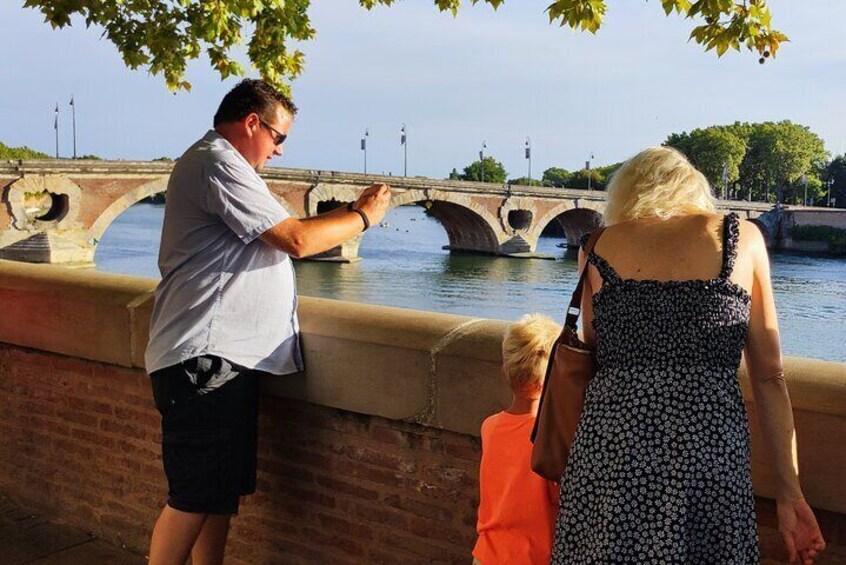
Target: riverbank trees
{"points": [[835, 174], [482, 170], [767, 161], [7, 152]]}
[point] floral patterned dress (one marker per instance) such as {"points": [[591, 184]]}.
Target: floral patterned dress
{"points": [[659, 469]]}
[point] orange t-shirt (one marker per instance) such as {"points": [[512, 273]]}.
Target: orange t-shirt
{"points": [[517, 508]]}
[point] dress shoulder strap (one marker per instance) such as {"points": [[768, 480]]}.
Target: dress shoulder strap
{"points": [[606, 271], [731, 236]]}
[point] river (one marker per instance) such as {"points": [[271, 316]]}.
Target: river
{"points": [[404, 265]]}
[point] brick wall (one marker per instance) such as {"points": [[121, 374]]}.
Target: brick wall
{"points": [[337, 487], [80, 439]]}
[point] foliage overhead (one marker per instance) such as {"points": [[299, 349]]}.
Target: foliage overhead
{"points": [[164, 35]]}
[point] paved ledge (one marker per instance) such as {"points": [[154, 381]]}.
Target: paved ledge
{"points": [[438, 370]]}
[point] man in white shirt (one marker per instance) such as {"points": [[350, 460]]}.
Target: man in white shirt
{"points": [[225, 311]]}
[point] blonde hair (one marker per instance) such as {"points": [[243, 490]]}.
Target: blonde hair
{"points": [[525, 351], [658, 182]]}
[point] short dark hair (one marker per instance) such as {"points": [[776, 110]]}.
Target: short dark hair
{"points": [[252, 95]]}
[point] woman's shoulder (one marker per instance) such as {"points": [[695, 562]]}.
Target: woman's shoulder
{"points": [[751, 238]]}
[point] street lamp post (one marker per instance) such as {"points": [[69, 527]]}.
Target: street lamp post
{"points": [[56, 127], [587, 166], [364, 147], [529, 157], [404, 143], [482, 159], [73, 112]]}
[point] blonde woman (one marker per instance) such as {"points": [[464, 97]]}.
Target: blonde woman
{"points": [[659, 470]]}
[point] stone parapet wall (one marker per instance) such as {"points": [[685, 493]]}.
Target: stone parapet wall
{"points": [[371, 456]]}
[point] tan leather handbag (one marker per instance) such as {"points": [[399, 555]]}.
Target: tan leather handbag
{"points": [[570, 369]]}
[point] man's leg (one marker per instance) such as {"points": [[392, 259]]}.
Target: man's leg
{"points": [[203, 453], [174, 536], [211, 543]]}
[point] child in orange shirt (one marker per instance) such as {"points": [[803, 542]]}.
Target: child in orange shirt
{"points": [[517, 508]]}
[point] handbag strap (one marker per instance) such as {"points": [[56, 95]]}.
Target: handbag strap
{"points": [[575, 308], [573, 312]]}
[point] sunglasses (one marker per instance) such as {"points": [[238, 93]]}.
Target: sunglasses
{"points": [[278, 138]]}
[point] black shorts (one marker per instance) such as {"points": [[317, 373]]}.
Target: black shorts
{"points": [[209, 410]]}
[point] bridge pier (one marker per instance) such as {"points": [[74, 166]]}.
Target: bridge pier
{"points": [[50, 247], [344, 253], [42, 222]]}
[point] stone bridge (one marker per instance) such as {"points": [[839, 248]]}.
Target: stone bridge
{"points": [[56, 211]]}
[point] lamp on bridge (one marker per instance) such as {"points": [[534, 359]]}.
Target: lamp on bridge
{"points": [[587, 166], [364, 147], [404, 143], [73, 113], [529, 157], [56, 127], [482, 159]]}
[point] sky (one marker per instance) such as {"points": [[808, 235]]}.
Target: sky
{"points": [[485, 76]]}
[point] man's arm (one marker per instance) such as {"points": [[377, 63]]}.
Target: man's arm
{"points": [[308, 236]]}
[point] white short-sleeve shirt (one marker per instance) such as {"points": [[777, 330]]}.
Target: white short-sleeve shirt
{"points": [[223, 291]]}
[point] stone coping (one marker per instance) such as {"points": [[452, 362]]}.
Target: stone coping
{"points": [[434, 369]]}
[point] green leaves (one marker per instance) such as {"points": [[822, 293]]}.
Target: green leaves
{"points": [[486, 170], [164, 35], [578, 14], [759, 156], [728, 25]]}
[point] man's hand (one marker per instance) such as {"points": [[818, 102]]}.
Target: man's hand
{"points": [[374, 202]]}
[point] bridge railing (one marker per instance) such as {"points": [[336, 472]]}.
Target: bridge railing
{"points": [[315, 176]]}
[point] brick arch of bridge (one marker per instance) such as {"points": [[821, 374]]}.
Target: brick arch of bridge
{"points": [[575, 217], [470, 226], [121, 204], [136, 195]]}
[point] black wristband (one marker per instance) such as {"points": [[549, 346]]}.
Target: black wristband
{"points": [[360, 213]]}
